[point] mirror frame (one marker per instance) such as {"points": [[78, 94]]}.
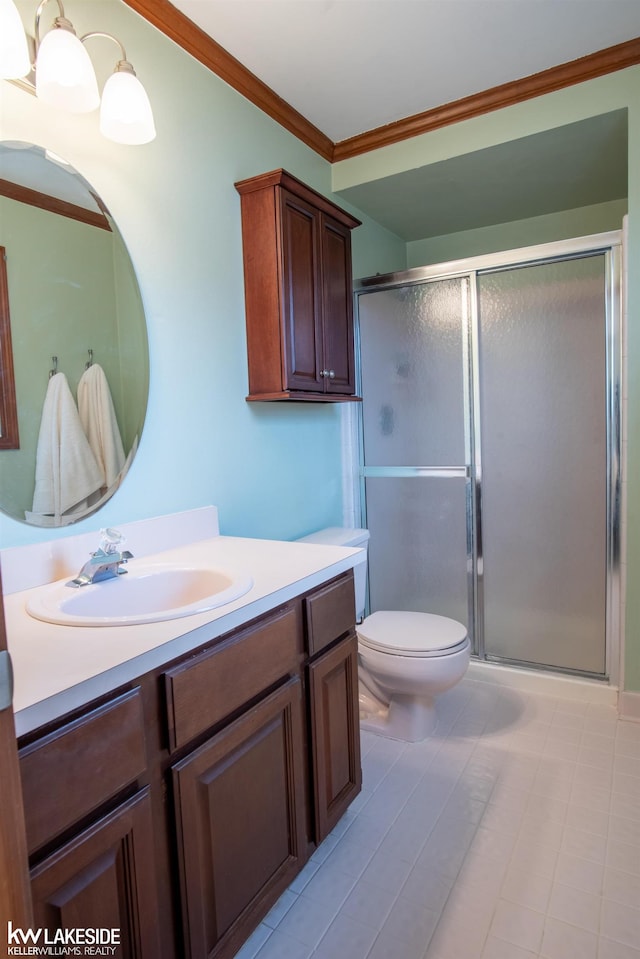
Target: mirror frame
{"points": [[9, 437]]}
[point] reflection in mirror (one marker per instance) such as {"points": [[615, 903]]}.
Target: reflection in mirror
{"points": [[73, 296]]}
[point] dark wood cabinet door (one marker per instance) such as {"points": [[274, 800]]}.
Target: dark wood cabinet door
{"points": [[240, 807], [337, 308], [335, 733], [301, 294], [105, 878]]}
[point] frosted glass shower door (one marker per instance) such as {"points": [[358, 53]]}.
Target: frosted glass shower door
{"points": [[543, 409], [413, 348]]}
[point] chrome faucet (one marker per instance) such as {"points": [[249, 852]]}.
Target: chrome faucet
{"points": [[107, 562]]}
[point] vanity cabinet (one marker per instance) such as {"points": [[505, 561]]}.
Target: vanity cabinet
{"points": [[298, 291], [105, 878], [241, 821], [90, 841], [335, 733], [178, 809], [332, 675]]}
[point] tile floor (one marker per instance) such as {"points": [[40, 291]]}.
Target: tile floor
{"points": [[512, 833]]}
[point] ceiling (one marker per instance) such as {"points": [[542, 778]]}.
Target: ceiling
{"points": [[353, 66], [350, 66]]}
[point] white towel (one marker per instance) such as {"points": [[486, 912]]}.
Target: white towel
{"points": [[66, 469], [98, 418]]}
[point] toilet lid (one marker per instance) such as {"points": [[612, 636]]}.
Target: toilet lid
{"points": [[411, 634]]}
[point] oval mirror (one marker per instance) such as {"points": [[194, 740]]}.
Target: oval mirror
{"points": [[74, 356]]}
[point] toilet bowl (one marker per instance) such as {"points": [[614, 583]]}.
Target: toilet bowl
{"points": [[406, 659]]}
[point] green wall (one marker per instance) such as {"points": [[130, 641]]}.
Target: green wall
{"points": [[274, 470], [599, 218]]}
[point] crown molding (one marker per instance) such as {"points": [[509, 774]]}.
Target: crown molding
{"points": [[202, 47], [598, 64], [175, 25]]}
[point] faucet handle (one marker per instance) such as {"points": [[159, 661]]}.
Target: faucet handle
{"points": [[111, 540]]}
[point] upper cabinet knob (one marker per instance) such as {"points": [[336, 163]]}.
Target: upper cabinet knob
{"points": [[332, 374]]}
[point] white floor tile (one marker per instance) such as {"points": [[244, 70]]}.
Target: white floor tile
{"points": [[583, 874], [624, 856], [386, 947], [620, 922], [254, 942], [517, 924], [307, 920], [610, 949], [279, 946], [575, 906], [500, 949], [526, 888], [369, 904], [350, 857], [622, 887], [512, 833], [346, 939], [561, 941], [410, 923], [427, 888], [284, 903], [330, 886]]}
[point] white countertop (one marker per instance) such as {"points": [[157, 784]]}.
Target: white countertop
{"points": [[59, 668]]}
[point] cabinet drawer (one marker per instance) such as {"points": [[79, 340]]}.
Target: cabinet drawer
{"points": [[214, 684], [75, 769], [330, 613]]}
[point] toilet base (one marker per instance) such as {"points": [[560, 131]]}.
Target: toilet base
{"points": [[406, 718]]}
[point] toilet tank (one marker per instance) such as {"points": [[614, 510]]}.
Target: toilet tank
{"points": [[344, 536]]}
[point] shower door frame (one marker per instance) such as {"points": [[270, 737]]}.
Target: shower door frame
{"points": [[607, 245]]}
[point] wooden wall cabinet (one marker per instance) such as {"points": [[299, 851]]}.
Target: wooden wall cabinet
{"points": [[298, 291], [179, 809]]}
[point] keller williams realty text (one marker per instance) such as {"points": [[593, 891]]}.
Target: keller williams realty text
{"points": [[62, 942]]}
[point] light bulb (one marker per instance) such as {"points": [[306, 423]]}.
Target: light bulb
{"points": [[14, 52], [65, 77], [125, 113]]}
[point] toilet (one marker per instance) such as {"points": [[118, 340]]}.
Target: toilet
{"points": [[406, 659]]}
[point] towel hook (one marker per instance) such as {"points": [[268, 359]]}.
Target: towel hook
{"points": [[90, 360], [54, 368]]}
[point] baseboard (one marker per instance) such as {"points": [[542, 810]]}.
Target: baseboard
{"points": [[629, 706], [548, 684]]}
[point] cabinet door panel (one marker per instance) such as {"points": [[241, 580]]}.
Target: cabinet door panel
{"points": [[104, 879], [301, 294], [240, 810], [335, 733], [337, 320]]}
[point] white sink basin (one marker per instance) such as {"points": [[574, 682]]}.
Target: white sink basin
{"points": [[147, 593]]}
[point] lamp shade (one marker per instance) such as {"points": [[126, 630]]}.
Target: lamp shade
{"points": [[65, 77], [14, 53], [125, 113]]}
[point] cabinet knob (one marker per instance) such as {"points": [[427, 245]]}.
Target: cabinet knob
{"points": [[324, 372], [332, 374]]}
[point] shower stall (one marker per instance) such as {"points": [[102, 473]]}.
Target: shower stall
{"points": [[490, 449]]}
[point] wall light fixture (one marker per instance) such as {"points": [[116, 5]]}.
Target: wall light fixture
{"points": [[65, 77]]}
